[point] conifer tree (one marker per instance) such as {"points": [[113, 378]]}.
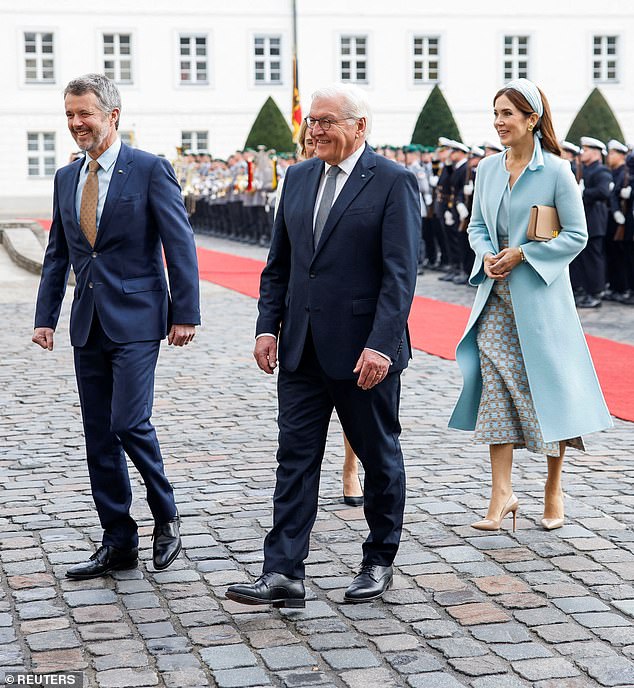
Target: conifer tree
{"points": [[434, 120], [270, 129], [596, 119]]}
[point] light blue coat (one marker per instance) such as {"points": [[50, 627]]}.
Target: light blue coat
{"points": [[563, 383]]}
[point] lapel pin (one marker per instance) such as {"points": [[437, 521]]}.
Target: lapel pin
{"points": [[120, 171], [363, 176]]}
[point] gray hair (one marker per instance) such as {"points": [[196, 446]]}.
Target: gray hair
{"points": [[355, 103], [108, 96]]}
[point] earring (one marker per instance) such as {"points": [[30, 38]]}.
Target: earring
{"points": [[530, 127]]}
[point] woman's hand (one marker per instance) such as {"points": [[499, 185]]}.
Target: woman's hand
{"points": [[499, 267]]}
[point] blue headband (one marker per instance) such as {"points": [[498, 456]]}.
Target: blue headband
{"points": [[530, 92]]}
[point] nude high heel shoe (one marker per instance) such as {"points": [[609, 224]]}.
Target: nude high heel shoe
{"points": [[512, 505], [553, 523]]}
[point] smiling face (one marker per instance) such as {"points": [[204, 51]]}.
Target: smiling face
{"points": [[511, 123], [93, 130], [344, 135]]}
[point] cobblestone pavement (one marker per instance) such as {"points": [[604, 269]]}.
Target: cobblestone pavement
{"points": [[531, 608]]}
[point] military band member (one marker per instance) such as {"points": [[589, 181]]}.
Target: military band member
{"points": [[587, 271], [618, 238]]}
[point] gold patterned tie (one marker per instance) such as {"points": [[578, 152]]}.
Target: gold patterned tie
{"points": [[88, 207]]}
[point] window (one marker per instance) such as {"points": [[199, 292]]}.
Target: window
{"points": [[38, 58], [604, 58], [194, 141], [193, 59], [354, 59], [267, 59], [515, 57], [426, 59], [41, 153], [117, 57]]}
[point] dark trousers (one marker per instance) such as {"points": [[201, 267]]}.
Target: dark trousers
{"points": [[306, 400], [616, 258], [116, 390], [587, 270]]}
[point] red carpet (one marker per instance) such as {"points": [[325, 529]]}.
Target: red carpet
{"points": [[436, 328]]}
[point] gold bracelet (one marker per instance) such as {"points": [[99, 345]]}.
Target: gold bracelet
{"points": [[522, 256]]}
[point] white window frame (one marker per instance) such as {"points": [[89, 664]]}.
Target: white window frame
{"points": [[41, 158], [194, 144], [116, 57], [514, 58], [193, 58], [267, 59], [353, 58], [603, 59], [38, 56], [425, 58]]}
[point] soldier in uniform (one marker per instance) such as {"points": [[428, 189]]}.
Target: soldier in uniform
{"points": [[571, 152], [620, 221], [441, 184], [466, 197], [413, 163], [455, 212], [587, 271]]}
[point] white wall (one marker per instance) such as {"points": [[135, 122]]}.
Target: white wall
{"points": [[158, 108]]}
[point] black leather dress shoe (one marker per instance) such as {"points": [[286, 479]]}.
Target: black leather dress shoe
{"points": [[369, 584], [270, 588], [104, 560], [167, 543]]}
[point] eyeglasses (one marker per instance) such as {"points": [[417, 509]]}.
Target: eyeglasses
{"points": [[324, 122]]}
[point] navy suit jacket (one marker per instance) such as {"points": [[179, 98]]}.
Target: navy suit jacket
{"points": [[596, 197], [356, 288], [122, 278]]}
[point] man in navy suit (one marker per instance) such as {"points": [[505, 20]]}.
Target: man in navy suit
{"points": [[115, 211], [336, 292]]}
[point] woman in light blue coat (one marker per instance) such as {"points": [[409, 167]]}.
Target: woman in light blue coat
{"points": [[529, 380]]}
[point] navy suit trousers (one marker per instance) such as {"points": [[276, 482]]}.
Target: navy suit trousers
{"points": [[116, 391], [306, 400]]}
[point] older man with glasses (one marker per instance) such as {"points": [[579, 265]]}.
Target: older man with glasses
{"points": [[334, 299]]}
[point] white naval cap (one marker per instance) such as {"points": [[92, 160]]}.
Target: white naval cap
{"points": [[457, 145], [444, 142], [477, 152], [494, 146], [613, 144], [590, 142], [570, 147]]}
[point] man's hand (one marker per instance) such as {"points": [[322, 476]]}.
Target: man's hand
{"points": [[499, 267], [372, 369], [265, 353], [181, 335], [44, 337]]}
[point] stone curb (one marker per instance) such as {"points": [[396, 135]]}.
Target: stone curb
{"points": [[23, 241]]}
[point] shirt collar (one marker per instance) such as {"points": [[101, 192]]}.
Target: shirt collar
{"points": [[108, 158], [348, 164], [537, 160]]}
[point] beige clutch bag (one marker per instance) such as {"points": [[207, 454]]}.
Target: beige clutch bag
{"points": [[543, 223]]}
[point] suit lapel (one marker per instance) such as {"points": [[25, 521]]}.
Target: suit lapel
{"points": [[313, 177], [120, 175], [359, 177]]}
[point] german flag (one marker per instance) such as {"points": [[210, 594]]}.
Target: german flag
{"points": [[296, 109]]}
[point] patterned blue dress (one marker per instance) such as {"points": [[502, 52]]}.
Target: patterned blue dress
{"points": [[506, 414]]}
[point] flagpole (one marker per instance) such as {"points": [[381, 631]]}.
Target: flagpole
{"points": [[296, 112]]}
